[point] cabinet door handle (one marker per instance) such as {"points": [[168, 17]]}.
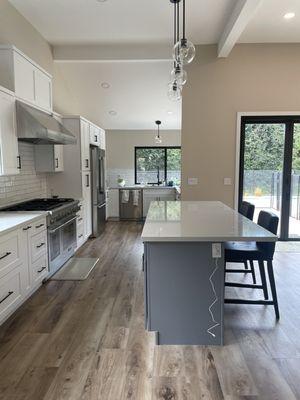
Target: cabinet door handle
{"points": [[56, 163], [39, 226], [8, 253], [40, 245], [87, 181], [28, 227], [80, 236], [19, 166], [96, 138], [86, 162], [41, 270], [80, 219], [8, 294]]}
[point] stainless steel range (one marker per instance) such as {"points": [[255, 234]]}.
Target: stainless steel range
{"points": [[61, 226]]}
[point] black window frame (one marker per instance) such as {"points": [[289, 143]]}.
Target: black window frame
{"points": [[166, 148]]}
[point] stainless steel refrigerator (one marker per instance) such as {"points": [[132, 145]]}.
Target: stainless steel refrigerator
{"points": [[98, 190]]}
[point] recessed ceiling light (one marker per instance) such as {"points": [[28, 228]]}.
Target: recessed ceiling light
{"points": [[105, 85], [112, 112], [289, 15], [170, 112]]}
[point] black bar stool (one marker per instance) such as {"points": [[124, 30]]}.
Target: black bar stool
{"points": [[239, 252], [247, 210]]}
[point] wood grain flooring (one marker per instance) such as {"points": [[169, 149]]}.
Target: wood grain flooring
{"points": [[86, 340]]}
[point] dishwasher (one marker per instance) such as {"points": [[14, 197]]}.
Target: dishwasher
{"points": [[131, 204]]}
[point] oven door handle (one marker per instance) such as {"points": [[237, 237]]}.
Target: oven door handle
{"points": [[61, 226]]}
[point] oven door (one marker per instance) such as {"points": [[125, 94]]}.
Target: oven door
{"points": [[62, 243]]}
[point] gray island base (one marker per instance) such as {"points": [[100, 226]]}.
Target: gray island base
{"points": [[184, 292], [184, 268]]}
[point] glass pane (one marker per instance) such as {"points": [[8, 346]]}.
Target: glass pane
{"points": [[69, 234], [294, 222], [263, 166], [174, 166], [150, 165], [54, 244]]}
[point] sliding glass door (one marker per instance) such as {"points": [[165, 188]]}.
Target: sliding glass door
{"points": [[270, 169]]}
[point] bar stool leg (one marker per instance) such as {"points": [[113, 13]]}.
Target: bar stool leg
{"points": [[273, 288], [263, 278], [253, 271], [246, 264]]}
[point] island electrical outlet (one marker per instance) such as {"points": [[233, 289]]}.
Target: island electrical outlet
{"points": [[216, 250]]}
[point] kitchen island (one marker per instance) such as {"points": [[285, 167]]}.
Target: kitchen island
{"points": [[184, 268]]}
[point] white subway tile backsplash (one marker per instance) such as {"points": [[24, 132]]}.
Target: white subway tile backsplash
{"points": [[113, 174], [25, 186]]}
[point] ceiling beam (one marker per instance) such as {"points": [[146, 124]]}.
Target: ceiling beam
{"points": [[243, 12], [112, 53]]}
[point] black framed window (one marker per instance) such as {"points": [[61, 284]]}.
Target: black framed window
{"points": [[157, 164]]}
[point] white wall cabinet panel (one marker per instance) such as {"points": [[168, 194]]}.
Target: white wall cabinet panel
{"points": [[87, 200], [49, 158], [24, 78], [43, 90], [28, 80], [94, 135], [102, 139], [9, 162]]}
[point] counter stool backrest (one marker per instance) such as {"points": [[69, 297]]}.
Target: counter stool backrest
{"points": [[269, 221], [247, 210]]}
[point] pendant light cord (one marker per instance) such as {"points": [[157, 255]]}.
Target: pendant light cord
{"points": [[183, 21], [178, 21]]}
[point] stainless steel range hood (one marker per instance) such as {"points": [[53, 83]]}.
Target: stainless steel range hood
{"points": [[35, 126]]}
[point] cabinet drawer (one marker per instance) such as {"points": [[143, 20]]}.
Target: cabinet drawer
{"points": [[38, 226], [10, 251], [40, 269], [38, 245], [10, 291]]}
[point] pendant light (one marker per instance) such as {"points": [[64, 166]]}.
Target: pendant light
{"points": [[157, 137], [183, 53], [184, 50]]}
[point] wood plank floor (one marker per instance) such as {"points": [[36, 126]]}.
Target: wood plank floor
{"points": [[86, 340]]}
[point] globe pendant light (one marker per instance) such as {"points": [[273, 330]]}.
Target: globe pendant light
{"points": [[184, 51], [157, 137], [174, 91], [179, 75]]}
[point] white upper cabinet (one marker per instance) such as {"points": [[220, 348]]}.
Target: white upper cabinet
{"points": [[94, 135], [28, 80], [85, 145], [102, 139], [43, 90], [9, 156], [49, 158]]}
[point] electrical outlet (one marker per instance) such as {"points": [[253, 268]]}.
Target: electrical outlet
{"points": [[216, 250]]}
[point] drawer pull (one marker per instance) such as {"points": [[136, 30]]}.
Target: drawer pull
{"points": [[86, 163], [39, 226], [28, 227], [80, 236], [80, 219], [8, 253], [41, 270], [6, 297], [40, 245]]}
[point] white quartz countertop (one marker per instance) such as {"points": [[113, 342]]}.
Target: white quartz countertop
{"points": [[12, 220], [142, 187], [199, 221]]}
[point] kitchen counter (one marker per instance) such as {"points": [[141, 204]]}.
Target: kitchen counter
{"points": [[200, 221], [131, 187], [184, 261], [11, 220]]}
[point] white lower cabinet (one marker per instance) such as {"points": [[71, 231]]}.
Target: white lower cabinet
{"points": [[23, 264], [113, 203]]}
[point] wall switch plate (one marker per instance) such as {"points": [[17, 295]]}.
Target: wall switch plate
{"points": [[216, 250], [227, 181], [192, 181]]}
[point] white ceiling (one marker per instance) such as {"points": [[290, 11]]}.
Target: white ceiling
{"points": [[120, 21], [138, 93], [268, 24]]}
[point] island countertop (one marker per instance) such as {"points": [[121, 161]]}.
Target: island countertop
{"points": [[203, 221]]}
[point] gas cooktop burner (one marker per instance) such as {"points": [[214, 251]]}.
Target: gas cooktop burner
{"points": [[39, 205]]}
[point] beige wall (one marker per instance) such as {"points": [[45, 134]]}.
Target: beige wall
{"points": [[252, 78], [120, 150], [16, 30]]}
